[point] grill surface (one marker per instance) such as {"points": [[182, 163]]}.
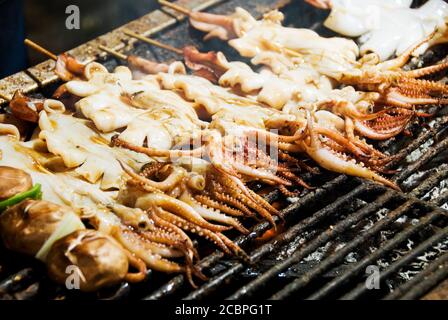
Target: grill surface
{"points": [[329, 236]]}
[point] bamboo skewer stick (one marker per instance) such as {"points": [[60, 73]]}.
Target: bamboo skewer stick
{"points": [[40, 49], [139, 63], [114, 53], [188, 12], [175, 7], [153, 42]]}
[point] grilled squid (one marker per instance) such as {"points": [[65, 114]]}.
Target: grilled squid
{"points": [[69, 68], [267, 42], [28, 109], [240, 116], [296, 87], [49, 221], [386, 27], [394, 92], [304, 87], [338, 162], [167, 123]]}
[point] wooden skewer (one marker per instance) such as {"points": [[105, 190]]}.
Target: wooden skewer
{"points": [[113, 52], [40, 49], [153, 42], [175, 7], [136, 62]]}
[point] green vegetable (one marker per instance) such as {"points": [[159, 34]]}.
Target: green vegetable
{"points": [[34, 193]]}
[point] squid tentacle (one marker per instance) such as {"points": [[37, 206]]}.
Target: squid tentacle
{"points": [[133, 243], [178, 207], [166, 225], [188, 226], [211, 214], [225, 198], [207, 201], [246, 197], [151, 152], [338, 162], [287, 193]]}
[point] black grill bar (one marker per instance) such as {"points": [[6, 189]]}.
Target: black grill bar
{"points": [[442, 199], [434, 180], [423, 282], [306, 278], [312, 197], [341, 254], [262, 280], [334, 231], [417, 142], [430, 153], [16, 281], [122, 292], [385, 274], [275, 244], [214, 283]]}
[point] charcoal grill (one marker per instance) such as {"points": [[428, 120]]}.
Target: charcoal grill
{"points": [[328, 238]]}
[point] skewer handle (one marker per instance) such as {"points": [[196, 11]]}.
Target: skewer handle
{"points": [[113, 52], [153, 42], [175, 7], [40, 49]]}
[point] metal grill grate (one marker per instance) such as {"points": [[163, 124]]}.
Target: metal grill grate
{"points": [[330, 234]]}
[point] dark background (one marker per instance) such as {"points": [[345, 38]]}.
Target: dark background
{"points": [[44, 23]]}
